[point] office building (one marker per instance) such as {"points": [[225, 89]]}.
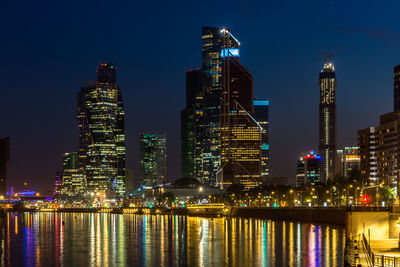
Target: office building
{"points": [[351, 160], [347, 160], [101, 150], [57, 184], [216, 43], [327, 120], [261, 111], [240, 132], [308, 170], [191, 127], [72, 182], [153, 159], [4, 161]]}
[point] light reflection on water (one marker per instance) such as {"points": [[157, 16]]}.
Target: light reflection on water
{"points": [[68, 239]]}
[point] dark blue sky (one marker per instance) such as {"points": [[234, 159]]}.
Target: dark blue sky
{"points": [[50, 48]]}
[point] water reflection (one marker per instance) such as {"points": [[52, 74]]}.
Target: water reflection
{"points": [[67, 239]]}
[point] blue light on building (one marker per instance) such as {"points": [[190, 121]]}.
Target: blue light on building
{"points": [[261, 102], [230, 52]]}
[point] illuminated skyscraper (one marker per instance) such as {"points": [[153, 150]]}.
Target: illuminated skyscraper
{"points": [[327, 120], [240, 132], [191, 127], [215, 43], [57, 184], [153, 159], [102, 134], [72, 182], [309, 169], [4, 160], [261, 110]]}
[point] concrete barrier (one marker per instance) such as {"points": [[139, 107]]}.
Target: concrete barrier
{"points": [[312, 215]]}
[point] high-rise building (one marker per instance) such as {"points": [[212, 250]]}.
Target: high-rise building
{"points": [[153, 159], [130, 182], [347, 160], [57, 184], [327, 120], [72, 181], [308, 169], [396, 87], [216, 42], [382, 150], [191, 127], [261, 112], [351, 160], [101, 117], [240, 132], [4, 161], [368, 143], [380, 145]]}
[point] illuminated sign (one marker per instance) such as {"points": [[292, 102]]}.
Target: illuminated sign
{"points": [[230, 52], [312, 155], [352, 158]]}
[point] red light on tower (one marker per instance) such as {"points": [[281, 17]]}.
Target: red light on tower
{"points": [[365, 199]]}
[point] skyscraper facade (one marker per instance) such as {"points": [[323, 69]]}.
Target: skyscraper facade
{"points": [[327, 120], [153, 159], [261, 113], [101, 117], [216, 42], [240, 132], [72, 182], [191, 127], [4, 161]]}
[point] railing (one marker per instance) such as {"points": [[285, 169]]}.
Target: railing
{"points": [[368, 208], [379, 260], [368, 251]]}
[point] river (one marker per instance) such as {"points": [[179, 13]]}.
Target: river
{"points": [[101, 239]]}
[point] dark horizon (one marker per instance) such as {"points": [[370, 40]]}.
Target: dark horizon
{"points": [[52, 49]]}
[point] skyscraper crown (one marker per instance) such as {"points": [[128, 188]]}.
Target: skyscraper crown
{"points": [[106, 73]]}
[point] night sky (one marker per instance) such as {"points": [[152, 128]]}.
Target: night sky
{"points": [[49, 50]]}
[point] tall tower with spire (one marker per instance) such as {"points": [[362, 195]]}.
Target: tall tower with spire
{"points": [[327, 120]]}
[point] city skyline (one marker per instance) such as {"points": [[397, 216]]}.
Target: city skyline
{"points": [[350, 84]]}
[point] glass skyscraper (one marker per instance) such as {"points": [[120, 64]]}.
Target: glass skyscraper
{"points": [[327, 120], [240, 132], [216, 42], [191, 127], [153, 159], [72, 180], [261, 112], [101, 153]]}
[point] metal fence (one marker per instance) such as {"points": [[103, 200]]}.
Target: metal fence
{"points": [[379, 260]]}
